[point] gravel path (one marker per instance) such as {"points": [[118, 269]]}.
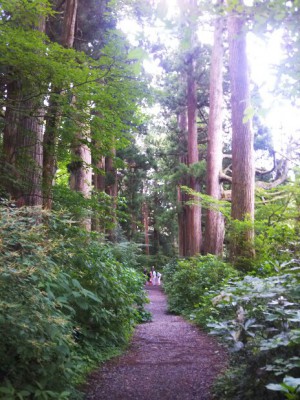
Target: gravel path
{"points": [[169, 359]]}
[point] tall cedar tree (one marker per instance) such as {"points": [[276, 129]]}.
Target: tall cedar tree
{"points": [[66, 39], [22, 137], [214, 226], [242, 139], [181, 195], [193, 220]]}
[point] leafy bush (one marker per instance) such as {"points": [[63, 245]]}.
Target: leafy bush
{"points": [[66, 304], [276, 226], [280, 239], [260, 320], [257, 317], [186, 281]]}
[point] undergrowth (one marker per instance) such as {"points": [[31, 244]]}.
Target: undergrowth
{"points": [[66, 304], [258, 318]]}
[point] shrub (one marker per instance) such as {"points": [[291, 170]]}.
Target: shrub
{"points": [[186, 281], [260, 321], [66, 303]]}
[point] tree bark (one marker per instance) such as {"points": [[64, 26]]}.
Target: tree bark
{"points": [[70, 15], [193, 211], [190, 236], [81, 172], [53, 117], [181, 196], [22, 147], [22, 141], [50, 149], [214, 226], [242, 140]]}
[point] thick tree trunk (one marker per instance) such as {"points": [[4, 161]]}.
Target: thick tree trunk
{"points": [[214, 226], [193, 211], [190, 216], [99, 177], [70, 14], [242, 140], [22, 147], [22, 141], [182, 196], [81, 172], [53, 114]]}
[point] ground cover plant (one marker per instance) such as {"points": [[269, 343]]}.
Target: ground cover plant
{"points": [[66, 304], [257, 317]]}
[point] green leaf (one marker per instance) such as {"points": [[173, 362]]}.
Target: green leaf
{"points": [[292, 382], [276, 387], [137, 54]]}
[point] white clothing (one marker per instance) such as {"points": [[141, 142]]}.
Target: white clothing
{"points": [[154, 279], [158, 276]]}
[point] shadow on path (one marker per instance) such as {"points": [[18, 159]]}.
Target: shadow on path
{"points": [[169, 359]]}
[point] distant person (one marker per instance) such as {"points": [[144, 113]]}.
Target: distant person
{"points": [[154, 278], [158, 278]]}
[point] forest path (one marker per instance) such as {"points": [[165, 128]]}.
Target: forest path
{"points": [[168, 359]]}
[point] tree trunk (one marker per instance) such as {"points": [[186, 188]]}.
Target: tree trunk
{"points": [[50, 149], [80, 168], [70, 14], [22, 141], [190, 216], [214, 226], [242, 140], [53, 117], [193, 211], [22, 147], [182, 196], [81, 172]]}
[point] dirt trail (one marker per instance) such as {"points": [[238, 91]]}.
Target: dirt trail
{"points": [[169, 359]]}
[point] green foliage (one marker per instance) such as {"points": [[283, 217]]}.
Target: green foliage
{"points": [[259, 319], [290, 387], [186, 281], [66, 304], [104, 82], [241, 243], [209, 202], [24, 13], [98, 206], [276, 227]]}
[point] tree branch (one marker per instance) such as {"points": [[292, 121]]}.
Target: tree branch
{"points": [[282, 177], [224, 178], [270, 171]]}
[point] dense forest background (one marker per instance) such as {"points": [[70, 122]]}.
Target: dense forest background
{"points": [[125, 148]]}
